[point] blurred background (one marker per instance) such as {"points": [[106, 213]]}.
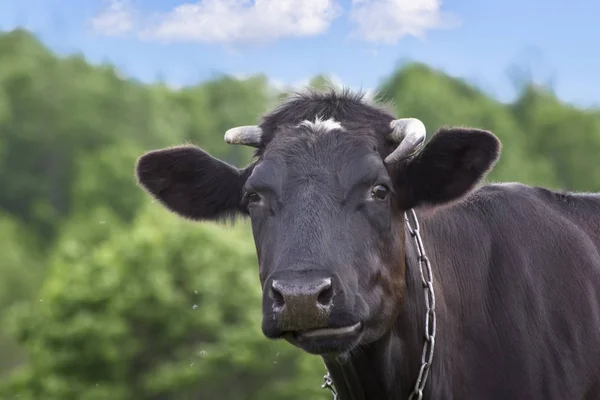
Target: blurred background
{"points": [[106, 295]]}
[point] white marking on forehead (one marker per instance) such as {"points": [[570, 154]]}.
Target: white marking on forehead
{"points": [[324, 125]]}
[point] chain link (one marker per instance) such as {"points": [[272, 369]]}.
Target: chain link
{"points": [[328, 384], [430, 316]]}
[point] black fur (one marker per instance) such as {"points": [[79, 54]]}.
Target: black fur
{"points": [[516, 268], [449, 167], [351, 108], [192, 183]]}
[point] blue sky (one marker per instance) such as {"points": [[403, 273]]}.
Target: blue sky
{"points": [[358, 42]]}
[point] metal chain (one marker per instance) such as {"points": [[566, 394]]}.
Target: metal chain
{"points": [[430, 317], [328, 384]]}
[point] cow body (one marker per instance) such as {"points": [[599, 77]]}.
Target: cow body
{"points": [[516, 269], [517, 277]]}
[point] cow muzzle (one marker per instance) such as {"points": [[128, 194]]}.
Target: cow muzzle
{"points": [[301, 305], [303, 314]]}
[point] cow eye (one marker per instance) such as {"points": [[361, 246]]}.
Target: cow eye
{"points": [[252, 197], [380, 192]]}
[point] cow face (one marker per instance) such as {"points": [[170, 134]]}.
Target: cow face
{"points": [[326, 212], [320, 202]]}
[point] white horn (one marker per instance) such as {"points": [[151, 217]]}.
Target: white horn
{"points": [[410, 133], [250, 135]]}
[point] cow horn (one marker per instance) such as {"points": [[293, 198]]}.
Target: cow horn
{"points": [[250, 135], [410, 133]]}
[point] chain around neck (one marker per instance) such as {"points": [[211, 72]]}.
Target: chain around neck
{"points": [[430, 316]]}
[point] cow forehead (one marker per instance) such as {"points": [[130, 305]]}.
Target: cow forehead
{"points": [[320, 149], [319, 125], [328, 135]]}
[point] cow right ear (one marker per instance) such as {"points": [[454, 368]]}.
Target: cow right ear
{"points": [[453, 162], [192, 183]]}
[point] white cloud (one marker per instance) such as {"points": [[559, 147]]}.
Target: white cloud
{"points": [[239, 21], [244, 20], [115, 19], [387, 21], [221, 21]]}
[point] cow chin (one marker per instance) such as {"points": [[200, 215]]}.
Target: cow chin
{"points": [[335, 339], [332, 340], [341, 335]]}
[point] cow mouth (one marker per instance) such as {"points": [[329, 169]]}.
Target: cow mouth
{"points": [[326, 340], [329, 332]]}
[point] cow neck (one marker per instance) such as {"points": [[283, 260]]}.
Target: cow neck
{"points": [[365, 373], [344, 375]]}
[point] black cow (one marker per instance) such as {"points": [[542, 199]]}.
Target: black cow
{"points": [[331, 195]]}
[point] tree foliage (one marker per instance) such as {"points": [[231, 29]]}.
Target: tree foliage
{"points": [[106, 295], [161, 309]]}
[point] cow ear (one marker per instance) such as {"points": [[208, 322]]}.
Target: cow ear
{"points": [[448, 168], [192, 183]]}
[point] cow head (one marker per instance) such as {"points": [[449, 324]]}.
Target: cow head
{"points": [[326, 194]]}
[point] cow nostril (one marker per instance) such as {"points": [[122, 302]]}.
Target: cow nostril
{"points": [[301, 294], [278, 300], [325, 296]]}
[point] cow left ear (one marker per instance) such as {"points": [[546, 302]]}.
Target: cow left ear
{"points": [[192, 183], [448, 167]]}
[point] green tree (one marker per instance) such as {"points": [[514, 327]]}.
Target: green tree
{"points": [[165, 309], [21, 273], [114, 317], [59, 113], [568, 137]]}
